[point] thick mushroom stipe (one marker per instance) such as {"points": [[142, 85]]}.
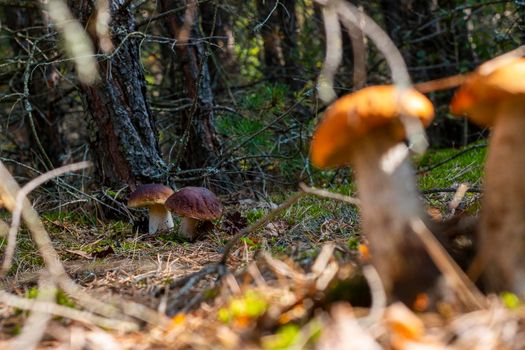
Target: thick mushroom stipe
{"points": [[153, 196], [196, 206], [160, 218], [363, 129], [494, 95]]}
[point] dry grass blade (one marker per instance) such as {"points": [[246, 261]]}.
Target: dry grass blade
{"points": [[36, 323], [378, 293], [333, 57], [349, 13], [63, 311]]}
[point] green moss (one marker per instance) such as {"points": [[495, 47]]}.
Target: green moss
{"points": [[467, 167]]}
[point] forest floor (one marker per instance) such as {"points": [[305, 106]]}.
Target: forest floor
{"points": [[286, 285]]}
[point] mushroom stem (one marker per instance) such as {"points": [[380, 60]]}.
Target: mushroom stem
{"points": [[188, 228], [159, 218], [389, 201], [502, 221]]}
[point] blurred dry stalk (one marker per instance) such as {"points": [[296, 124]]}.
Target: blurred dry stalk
{"points": [[353, 18], [102, 20], [19, 202], [77, 42]]}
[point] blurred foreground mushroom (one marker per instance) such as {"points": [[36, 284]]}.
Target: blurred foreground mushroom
{"points": [[364, 129], [153, 196], [197, 206], [494, 96]]}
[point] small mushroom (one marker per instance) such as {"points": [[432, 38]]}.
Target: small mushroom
{"points": [[153, 196], [494, 96], [363, 129], [197, 206]]}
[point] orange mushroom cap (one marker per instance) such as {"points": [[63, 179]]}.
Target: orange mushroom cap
{"points": [[353, 116], [479, 96]]}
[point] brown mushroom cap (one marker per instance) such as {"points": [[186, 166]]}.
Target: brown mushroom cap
{"points": [[150, 194], [196, 203], [353, 116], [479, 95]]}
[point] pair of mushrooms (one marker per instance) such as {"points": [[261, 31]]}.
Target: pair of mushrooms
{"points": [[363, 129], [195, 205]]}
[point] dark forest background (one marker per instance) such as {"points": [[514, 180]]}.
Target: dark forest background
{"points": [[233, 106]]}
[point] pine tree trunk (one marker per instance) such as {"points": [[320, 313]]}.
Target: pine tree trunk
{"points": [[199, 142], [123, 135]]}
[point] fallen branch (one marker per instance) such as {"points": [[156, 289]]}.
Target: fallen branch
{"points": [[187, 282], [451, 190], [330, 195], [260, 223]]}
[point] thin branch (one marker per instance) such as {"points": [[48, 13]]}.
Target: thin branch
{"points": [[440, 84], [260, 223], [451, 190], [466, 150], [330, 195]]}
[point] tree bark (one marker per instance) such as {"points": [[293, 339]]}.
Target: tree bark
{"points": [[199, 142], [123, 135]]}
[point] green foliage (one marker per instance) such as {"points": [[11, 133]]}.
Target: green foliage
{"points": [[250, 243], [353, 243], [255, 214]]}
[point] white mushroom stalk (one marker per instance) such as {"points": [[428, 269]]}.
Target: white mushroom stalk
{"points": [[189, 228], [160, 218], [153, 197]]}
